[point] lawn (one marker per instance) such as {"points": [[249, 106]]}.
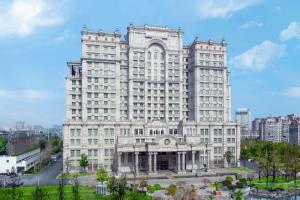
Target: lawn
{"points": [[242, 169], [85, 193], [280, 183], [52, 191]]}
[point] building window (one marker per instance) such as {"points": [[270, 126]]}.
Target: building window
{"points": [[136, 131]]}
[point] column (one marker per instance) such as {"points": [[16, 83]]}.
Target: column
{"points": [[208, 158], [119, 161], [183, 161], [193, 162], [150, 162], [178, 162], [200, 161], [155, 160], [137, 163]]}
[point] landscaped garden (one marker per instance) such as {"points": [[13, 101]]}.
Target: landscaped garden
{"points": [[278, 164], [49, 192], [52, 193], [279, 183]]}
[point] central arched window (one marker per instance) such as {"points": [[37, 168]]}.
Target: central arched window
{"points": [[156, 63]]}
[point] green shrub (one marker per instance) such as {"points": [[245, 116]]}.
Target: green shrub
{"points": [[153, 188], [241, 183], [228, 181], [157, 186], [231, 187], [238, 176], [172, 189], [150, 189]]}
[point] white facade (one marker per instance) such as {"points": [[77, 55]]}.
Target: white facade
{"points": [[19, 163], [149, 103]]}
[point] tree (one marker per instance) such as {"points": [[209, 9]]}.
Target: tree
{"points": [[112, 185], [61, 192], [228, 156], [83, 162], [143, 184], [245, 155], [292, 160], [56, 144], [265, 160], [275, 162], [122, 183], [75, 188], [15, 181], [40, 194], [42, 143], [102, 175], [3, 142]]}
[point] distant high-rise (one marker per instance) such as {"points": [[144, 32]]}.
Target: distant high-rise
{"points": [[243, 116], [149, 103], [277, 129], [294, 132]]}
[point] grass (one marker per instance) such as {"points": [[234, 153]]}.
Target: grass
{"points": [[52, 192], [280, 183], [72, 175], [242, 169], [85, 193]]}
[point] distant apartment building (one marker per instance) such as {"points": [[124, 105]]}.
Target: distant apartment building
{"points": [[243, 116], [276, 129], [294, 132], [256, 128], [271, 129]]}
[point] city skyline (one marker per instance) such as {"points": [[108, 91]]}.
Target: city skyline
{"points": [[261, 53]]}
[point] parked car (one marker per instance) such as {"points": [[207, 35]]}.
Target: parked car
{"points": [[55, 157]]}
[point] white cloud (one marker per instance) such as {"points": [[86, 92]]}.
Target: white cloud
{"points": [[65, 36], [23, 17], [251, 24], [222, 8], [293, 91], [28, 94], [258, 57], [291, 32]]}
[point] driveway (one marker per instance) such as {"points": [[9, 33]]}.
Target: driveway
{"points": [[45, 177]]}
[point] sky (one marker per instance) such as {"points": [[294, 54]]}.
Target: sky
{"points": [[38, 37]]}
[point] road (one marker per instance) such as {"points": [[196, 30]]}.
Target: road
{"points": [[45, 177]]}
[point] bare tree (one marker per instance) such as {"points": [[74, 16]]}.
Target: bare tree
{"points": [[75, 188], [15, 182], [40, 194], [61, 186]]}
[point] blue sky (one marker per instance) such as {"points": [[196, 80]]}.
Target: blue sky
{"points": [[37, 37]]}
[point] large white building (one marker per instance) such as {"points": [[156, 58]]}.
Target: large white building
{"points": [[149, 103], [19, 163]]}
